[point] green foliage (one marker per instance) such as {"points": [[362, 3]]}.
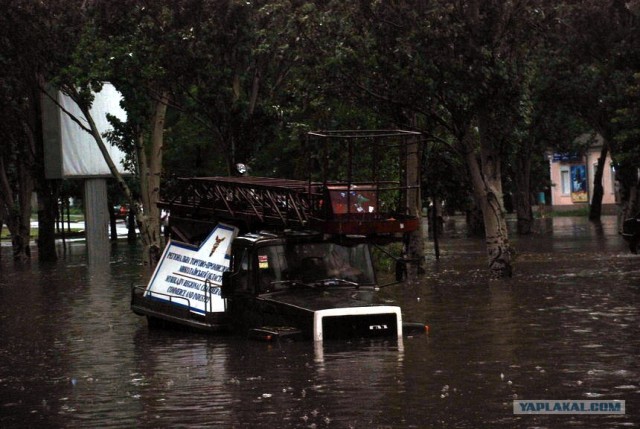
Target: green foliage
{"points": [[445, 177], [627, 119], [248, 80]]}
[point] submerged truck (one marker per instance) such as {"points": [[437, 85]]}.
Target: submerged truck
{"points": [[278, 258]]}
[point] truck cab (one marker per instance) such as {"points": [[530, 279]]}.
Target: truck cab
{"points": [[299, 284]]}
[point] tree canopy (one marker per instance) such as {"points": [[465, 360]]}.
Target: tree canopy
{"points": [[209, 83]]}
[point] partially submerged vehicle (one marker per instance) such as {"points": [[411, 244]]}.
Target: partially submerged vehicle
{"points": [[274, 258]]}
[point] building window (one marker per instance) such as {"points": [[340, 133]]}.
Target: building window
{"points": [[565, 180]]}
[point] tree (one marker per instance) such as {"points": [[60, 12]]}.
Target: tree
{"points": [[543, 121], [627, 141], [105, 52], [627, 156], [16, 183], [163, 56], [461, 66], [243, 58], [45, 28], [598, 49]]}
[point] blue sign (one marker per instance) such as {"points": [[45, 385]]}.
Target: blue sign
{"points": [[566, 157]]}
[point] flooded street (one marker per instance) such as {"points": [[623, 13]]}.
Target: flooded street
{"points": [[565, 327]]}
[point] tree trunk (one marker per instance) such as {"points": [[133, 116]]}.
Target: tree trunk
{"points": [[627, 193], [19, 229], [47, 190], [15, 197], [25, 186], [628, 207], [522, 197], [475, 223], [595, 210], [131, 226], [150, 169], [113, 230], [486, 177]]}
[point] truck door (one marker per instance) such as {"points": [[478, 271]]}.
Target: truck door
{"points": [[241, 302]]}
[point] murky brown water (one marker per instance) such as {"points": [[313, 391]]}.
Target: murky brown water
{"points": [[565, 327]]}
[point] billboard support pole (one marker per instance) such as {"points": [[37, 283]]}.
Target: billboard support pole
{"points": [[96, 220]]}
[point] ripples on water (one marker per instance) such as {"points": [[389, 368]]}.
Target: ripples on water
{"points": [[565, 327]]}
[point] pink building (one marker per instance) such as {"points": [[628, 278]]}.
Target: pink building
{"points": [[572, 179]]}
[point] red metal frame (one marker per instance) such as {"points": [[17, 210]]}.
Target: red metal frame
{"points": [[345, 207]]}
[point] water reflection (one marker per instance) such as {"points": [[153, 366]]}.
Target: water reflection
{"points": [[565, 327]]}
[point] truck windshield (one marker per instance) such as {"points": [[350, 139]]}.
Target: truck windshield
{"points": [[308, 263]]}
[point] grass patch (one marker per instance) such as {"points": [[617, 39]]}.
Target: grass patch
{"points": [[581, 212], [5, 236], [74, 232]]}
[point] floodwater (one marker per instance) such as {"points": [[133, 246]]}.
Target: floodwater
{"points": [[565, 327]]}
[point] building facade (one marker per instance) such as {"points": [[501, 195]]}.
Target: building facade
{"points": [[572, 180]]}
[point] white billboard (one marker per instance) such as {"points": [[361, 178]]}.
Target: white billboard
{"points": [[70, 151]]}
